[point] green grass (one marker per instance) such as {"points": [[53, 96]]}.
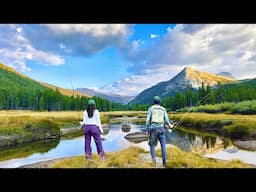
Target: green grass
{"points": [[130, 158], [244, 107]]}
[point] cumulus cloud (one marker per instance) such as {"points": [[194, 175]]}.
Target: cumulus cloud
{"points": [[207, 47], [78, 39], [210, 46], [16, 49], [48, 43]]}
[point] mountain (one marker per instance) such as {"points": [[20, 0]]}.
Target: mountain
{"points": [[23, 79], [63, 91], [188, 77], [226, 74], [111, 97], [18, 91]]}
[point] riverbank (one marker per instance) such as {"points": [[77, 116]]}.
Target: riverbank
{"points": [[241, 127], [135, 157], [18, 126]]}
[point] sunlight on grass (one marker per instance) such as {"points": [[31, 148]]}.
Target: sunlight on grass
{"points": [[181, 159], [126, 158], [130, 158]]}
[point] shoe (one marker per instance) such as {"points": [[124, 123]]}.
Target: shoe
{"points": [[102, 156], [164, 162], [88, 157]]}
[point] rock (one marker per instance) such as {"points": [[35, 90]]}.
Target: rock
{"points": [[231, 150], [66, 131], [105, 125], [126, 127], [147, 158], [249, 145], [136, 137]]}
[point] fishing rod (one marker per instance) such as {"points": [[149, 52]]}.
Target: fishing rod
{"points": [[205, 98], [71, 82], [72, 87]]}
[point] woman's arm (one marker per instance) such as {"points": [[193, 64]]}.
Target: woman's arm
{"points": [[84, 118], [97, 113]]}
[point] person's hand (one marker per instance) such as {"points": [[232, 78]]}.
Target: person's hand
{"points": [[171, 126], [81, 122]]}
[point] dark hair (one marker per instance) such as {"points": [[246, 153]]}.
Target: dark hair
{"points": [[90, 109], [156, 102]]}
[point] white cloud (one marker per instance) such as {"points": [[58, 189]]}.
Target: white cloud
{"points": [[134, 84], [80, 39], [204, 46], [207, 47], [16, 49], [96, 30], [48, 44], [152, 36]]}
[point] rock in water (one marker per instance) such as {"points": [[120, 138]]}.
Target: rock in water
{"points": [[126, 127], [231, 150], [136, 137]]}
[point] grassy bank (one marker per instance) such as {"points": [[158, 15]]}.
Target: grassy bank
{"points": [[24, 126], [231, 125], [131, 158]]}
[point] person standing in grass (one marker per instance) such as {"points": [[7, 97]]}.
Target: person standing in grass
{"points": [[92, 128], [156, 117]]}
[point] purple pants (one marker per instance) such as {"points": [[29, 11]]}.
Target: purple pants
{"points": [[89, 131]]}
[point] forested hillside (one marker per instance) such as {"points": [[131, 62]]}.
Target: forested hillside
{"points": [[20, 92]]}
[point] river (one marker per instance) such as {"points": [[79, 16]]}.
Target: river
{"points": [[208, 145]]}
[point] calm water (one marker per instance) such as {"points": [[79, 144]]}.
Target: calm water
{"points": [[208, 145]]}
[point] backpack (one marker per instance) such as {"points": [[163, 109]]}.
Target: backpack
{"points": [[157, 115]]}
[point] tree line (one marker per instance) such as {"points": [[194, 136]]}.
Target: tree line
{"points": [[235, 92]]}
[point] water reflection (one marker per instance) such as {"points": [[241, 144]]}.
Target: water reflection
{"points": [[114, 139], [24, 150], [194, 142]]}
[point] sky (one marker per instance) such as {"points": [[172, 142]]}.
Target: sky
{"points": [[125, 59]]}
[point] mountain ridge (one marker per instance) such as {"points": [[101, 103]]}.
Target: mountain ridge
{"points": [[187, 78], [111, 97]]}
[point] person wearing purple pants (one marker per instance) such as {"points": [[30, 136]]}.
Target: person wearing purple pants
{"points": [[92, 128]]}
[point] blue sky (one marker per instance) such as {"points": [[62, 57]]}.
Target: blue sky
{"points": [[125, 59]]}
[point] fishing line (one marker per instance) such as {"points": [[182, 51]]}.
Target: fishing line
{"points": [[205, 98], [72, 87]]}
